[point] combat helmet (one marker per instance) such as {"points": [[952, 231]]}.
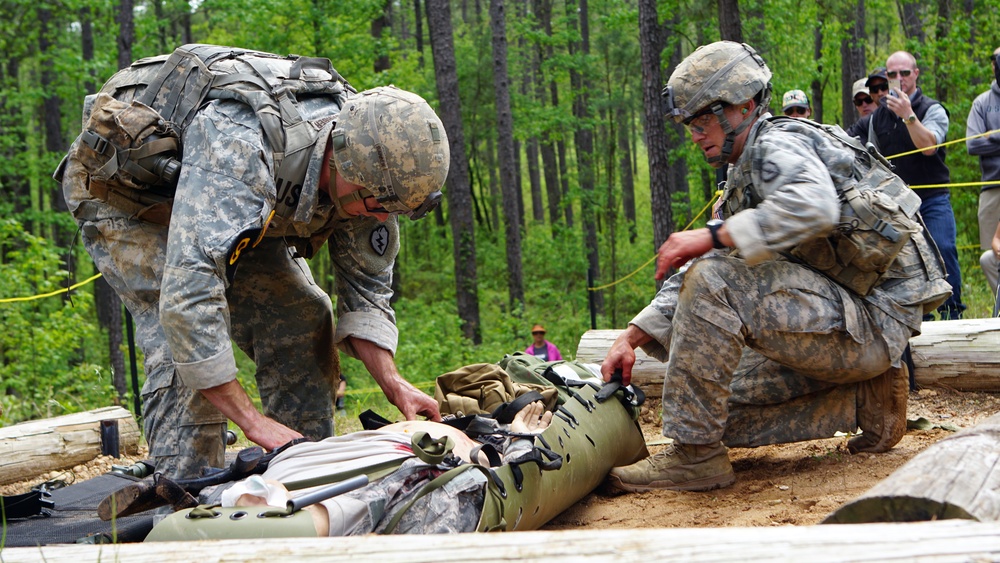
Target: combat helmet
{"points": [[392, 143], [724, 72]]}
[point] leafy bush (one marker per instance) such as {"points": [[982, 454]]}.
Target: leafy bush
{"points": [[50, 349]]}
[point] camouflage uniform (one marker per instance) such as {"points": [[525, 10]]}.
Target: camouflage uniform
{"points": [[222, 273], [761, 350]]}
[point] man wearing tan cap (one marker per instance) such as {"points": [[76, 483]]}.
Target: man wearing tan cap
{"points": [[541, 348], [863, 100]]}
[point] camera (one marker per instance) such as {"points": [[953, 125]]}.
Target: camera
{"points": [[894, 85]]}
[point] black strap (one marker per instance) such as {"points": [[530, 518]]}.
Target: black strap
{"points": [[504, 414], [633, 395], [491, 453], [372, 421]]}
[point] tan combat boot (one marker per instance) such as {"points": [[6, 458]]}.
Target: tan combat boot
{"points": [[680, 467], [881, 411]]}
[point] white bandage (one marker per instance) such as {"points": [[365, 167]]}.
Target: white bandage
{"points": [[271, 492]]}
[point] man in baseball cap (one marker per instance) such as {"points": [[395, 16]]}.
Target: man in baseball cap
{"points": [[795, 103], [863, 101]]}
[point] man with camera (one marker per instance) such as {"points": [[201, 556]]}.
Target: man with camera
{"points": [[908, 121]]}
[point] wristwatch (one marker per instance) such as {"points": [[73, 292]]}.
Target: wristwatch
{"points": [[911, 119], [713, 229]]}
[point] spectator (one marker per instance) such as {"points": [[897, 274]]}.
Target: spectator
{"points": [[795, 103], [878, 88], [908, 121], [985, 116], [863, 101], [541, 348]]}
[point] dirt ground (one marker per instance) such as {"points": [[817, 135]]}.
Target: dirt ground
{"points": [[791, 484]]}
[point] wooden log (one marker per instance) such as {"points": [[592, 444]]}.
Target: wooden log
{"points": [[32, 448], [958, 354], [956, 477], [950, 540]]}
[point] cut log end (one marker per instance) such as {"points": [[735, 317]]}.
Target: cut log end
{"points": [[896, 509]]}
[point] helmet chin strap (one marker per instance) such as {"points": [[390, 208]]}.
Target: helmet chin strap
{"points": [[731, 133], [339, 203]]}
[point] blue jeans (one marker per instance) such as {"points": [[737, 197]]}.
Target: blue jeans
{"points": [[940, 221]]}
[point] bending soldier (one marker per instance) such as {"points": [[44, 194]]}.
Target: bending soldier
{"points": [[227, 265], [761, 347]]}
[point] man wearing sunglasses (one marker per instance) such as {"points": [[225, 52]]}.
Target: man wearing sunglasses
{"points": [[983, 117], [910, 121], [795, 103], [227, 264]]}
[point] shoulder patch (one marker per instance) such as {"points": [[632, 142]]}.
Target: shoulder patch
{"points": [[380, 239], [247, 240]]}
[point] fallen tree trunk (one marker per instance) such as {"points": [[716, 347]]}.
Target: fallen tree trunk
{"points": [[952, 540], [957, 354], [32, 448], [957, 477]]}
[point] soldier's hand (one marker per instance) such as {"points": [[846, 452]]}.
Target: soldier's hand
{"points": [[681, 247], [270, 434], [621, 356], [413, 402]]}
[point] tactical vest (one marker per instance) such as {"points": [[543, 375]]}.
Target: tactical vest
{"points": [[131, 140], [878, 214]]}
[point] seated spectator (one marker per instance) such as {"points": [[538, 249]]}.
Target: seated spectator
{"points": [[542, 348], [795, 103]]}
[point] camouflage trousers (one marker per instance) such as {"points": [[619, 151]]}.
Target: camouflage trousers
{"points": [[769, 354], [277, 316]]}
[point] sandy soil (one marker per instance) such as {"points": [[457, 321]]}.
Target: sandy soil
{"points": [[790, 484]]}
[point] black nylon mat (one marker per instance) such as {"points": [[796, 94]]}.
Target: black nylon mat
{"points": [[74, 517]]}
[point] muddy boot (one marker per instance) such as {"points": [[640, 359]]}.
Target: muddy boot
{"points": [[881, 411], [680, 467]]}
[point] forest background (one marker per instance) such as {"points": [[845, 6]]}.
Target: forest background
{"points": [[563, 168]]}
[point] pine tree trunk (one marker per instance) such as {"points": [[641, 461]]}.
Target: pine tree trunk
{"points": [[458, 190], [650, 46], [852, 51], [625, 169], [729, 20], [505, 155]]}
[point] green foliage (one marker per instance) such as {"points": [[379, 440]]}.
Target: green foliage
{"points": [[53, 356], [47, 362]]}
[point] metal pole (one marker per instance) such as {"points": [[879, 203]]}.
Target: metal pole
{"points": [[591, 298]]}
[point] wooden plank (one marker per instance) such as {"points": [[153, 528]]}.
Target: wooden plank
{"points": [[956, 477], [958, 354], [32, 448], [949, 540]]}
